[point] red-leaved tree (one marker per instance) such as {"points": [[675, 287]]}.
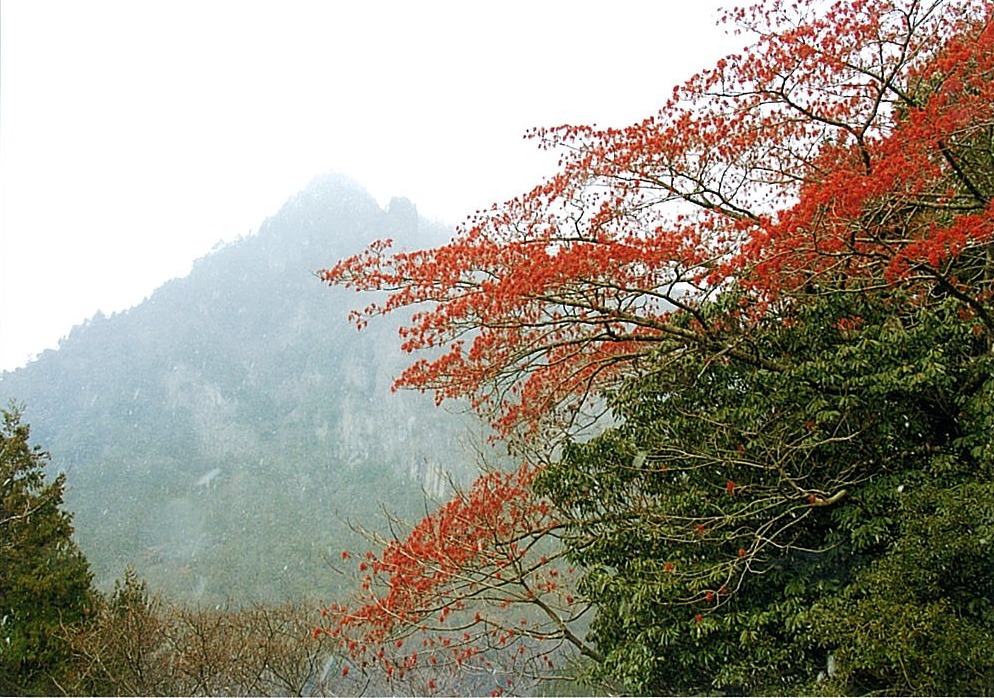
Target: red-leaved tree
{"points": [[840, 150], [475, 595]]}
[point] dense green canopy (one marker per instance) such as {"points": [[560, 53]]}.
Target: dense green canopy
{"points": [[44, 579], [825, 526]]}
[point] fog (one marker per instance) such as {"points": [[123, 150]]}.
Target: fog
{"points": [[136, 136]]}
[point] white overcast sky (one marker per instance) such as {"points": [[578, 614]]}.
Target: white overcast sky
{"points": [[136, 134]]}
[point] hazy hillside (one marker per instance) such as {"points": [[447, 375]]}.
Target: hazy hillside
{"points": [[218, 435]]}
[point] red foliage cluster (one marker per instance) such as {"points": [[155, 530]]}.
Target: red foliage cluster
{"points": [[478, 547], [779, 166]]}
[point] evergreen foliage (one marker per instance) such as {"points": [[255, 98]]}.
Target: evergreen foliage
{"points": [[44, 579]]}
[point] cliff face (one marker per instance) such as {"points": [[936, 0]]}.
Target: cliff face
{"points": [[219, 435]]}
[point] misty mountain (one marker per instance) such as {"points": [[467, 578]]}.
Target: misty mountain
{"points": [[220, 435]]}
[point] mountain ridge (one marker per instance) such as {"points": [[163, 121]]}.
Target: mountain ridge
{"points": [[236, 406]]}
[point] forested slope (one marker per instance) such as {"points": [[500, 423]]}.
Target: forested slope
{"points": [[219, 434]]}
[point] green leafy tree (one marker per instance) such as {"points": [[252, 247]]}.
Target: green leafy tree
{"points": [[824, 526], [44, 579]]}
